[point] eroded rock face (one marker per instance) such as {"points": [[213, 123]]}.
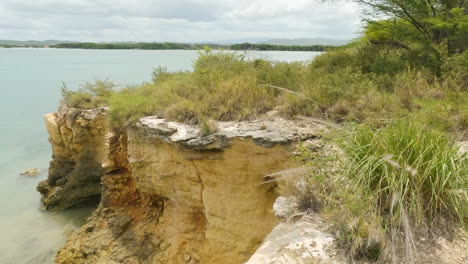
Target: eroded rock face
{"points": [[80, 141], [169, 195]]}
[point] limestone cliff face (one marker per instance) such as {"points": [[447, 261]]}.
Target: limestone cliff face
{"points": [[80, 141], [168, 194]]}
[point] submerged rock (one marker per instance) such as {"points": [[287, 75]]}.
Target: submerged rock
{"points": [[31, 172]]}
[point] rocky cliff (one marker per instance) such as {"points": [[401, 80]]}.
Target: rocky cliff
{"points": [[81, 141], [168, 194]]}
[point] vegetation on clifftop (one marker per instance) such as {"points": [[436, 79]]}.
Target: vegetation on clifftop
{"points": [[365, 83]]}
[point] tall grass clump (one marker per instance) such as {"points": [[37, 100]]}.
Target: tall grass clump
{"points": [[383, 189], [416, 177], [324, 188], [411, 170]]}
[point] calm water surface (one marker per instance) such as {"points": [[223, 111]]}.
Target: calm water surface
{"points": [[30, 81]]}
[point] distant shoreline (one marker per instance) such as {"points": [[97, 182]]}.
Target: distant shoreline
{"points": [[176, 46]]}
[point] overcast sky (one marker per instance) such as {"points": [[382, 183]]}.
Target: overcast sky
{"points": [[175, 20]]}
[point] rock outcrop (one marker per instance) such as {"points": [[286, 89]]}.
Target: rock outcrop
{"points": [[31, 172], [300, 238], [168, 193], [80, 141]]}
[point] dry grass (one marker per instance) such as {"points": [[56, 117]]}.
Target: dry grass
{"points": [[389, 186], [343, 85]]}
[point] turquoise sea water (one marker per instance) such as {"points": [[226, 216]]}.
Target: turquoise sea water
{"points": [[30, 81]]}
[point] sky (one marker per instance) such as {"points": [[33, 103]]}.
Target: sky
{"points": [[176, 20]]}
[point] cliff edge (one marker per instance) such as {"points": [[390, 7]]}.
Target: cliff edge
{"points": [[168, 193]]}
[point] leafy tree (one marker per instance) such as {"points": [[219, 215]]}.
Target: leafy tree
{"points": [[429, 22]]}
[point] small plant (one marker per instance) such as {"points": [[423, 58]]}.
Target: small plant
{"points": [[411, 170], [207, 126], [90, 95]]}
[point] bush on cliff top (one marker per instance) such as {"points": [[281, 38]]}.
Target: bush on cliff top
{"points": [[90, 95]]}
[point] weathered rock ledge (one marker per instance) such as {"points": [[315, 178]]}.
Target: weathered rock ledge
{"points": [[266, 133], [300, 238], [80, 141], [168, 194]]}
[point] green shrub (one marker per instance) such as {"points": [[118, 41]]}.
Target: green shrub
{"points": [[211, 68], [380, 60], [283, 74], [126, 108], [343, 84], [338, 59], [455, 71], [222, 87], [183, 111], [239, 98], [90, 95], [448, 114]]}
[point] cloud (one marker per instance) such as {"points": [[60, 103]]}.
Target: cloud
{"points": [[176, 20]]}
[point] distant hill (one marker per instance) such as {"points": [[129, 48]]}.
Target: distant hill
{"points": [[235, 41], [283, 42], [269, 41], [307, 42], [32, 42]]}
